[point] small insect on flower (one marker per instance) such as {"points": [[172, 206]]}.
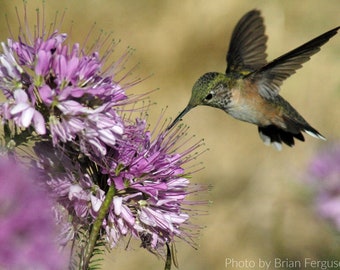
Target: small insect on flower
{"points": [[25, 80]]}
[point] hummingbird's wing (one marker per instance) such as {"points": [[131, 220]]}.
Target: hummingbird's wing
{"points": [[270, 77], [247, 48]]}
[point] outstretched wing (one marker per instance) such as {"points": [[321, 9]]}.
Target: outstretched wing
{"points": [[247, 48], [270, 77]]}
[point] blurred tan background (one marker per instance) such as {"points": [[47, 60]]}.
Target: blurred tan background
{"points": [[262, 209]]}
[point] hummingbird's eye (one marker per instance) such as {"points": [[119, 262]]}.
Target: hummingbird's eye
{"points": [[209, 96]]}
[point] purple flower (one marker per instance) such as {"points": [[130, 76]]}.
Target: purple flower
{"points": [[23, 113], [61, 92], [324, 171], [152, 187], [27, 236], [109, 176], [150, 181]]}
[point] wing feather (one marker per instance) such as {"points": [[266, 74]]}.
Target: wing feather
{"points": [[270, 77], [247, 48]]}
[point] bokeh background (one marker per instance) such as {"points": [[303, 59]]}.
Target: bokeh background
{"points": [[262, 204]]}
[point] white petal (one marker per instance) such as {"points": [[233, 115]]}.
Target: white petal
{"points": [[26, 117], [74, 190], [19, 108], [98, 145], [117, 129], [107, 137], [39, 123], [117, 202], [20, 96], [96, 203]]}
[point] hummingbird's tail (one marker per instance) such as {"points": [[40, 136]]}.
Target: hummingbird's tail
{"points": [[275, 135]]}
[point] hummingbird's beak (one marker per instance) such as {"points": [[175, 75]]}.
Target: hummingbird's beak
{"points": [[179, 117]]}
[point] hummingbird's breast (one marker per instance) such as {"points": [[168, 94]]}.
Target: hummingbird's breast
{"points": [[247, 105]]}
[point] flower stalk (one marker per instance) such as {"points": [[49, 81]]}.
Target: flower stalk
{"points": [[97, 225]]}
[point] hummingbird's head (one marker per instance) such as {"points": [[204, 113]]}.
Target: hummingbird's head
{"points": [[206, 91]]}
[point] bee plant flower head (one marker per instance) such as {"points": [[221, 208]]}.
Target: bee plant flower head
{"points": [[151, 187], [27, 240], [60, 91], [324, 173], [110, 176]]}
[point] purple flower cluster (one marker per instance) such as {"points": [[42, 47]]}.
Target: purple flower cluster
{"points": [[26, 239], [84, 147], [324, 171], [151, 188], [60, 92], [149, 179]]}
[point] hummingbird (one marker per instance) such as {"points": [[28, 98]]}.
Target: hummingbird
{"points": [[249, 89]]}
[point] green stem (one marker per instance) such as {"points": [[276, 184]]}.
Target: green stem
{"points": [[168, 258], [97, 225]]}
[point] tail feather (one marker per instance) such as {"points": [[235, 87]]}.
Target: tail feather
{"points": [[274, 135], [315, 134]]}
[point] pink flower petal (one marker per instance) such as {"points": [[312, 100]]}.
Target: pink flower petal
{"points": [[26, 117]]}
